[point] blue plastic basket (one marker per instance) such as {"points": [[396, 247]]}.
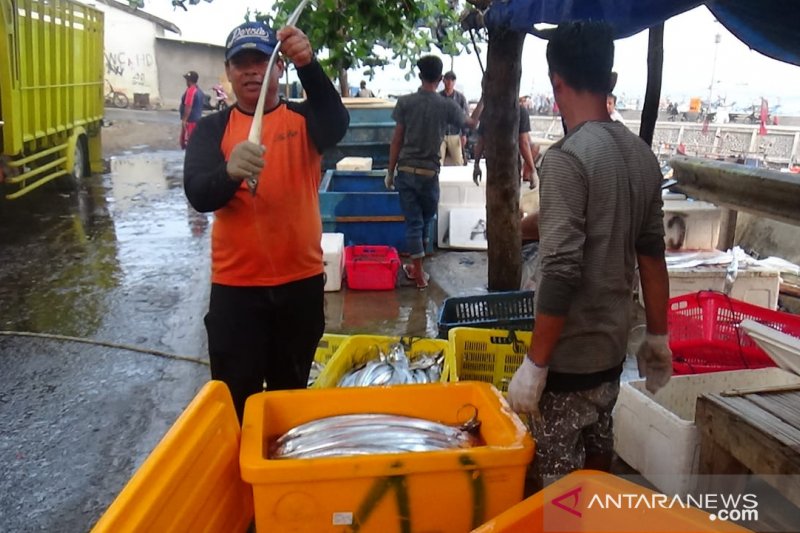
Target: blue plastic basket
{"points": [[511, 310]]}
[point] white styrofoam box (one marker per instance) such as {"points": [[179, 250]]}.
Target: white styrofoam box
{"points": [[690, 224], [354, 163], [656, 434], [754, 285], [457, 188], [783, 348], [468, 228], [528, 200], [666, 195], [333, 258], [443, 225]]}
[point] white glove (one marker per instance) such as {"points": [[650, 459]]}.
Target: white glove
{"points": [[477, 174], [654, 359], [526, 387], [246, 161], [389, 179]]}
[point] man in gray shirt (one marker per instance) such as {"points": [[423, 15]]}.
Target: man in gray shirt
{"points": [[600, 214], [420, 122], [452, 149]]}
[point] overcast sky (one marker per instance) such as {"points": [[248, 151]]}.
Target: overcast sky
{"points": [[741, 74]]}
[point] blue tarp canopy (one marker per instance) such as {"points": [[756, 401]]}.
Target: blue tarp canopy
{"points": [[771, 27]]}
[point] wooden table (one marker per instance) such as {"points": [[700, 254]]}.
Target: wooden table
{"points": [[756, 431]]}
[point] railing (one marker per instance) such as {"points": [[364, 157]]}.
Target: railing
{"points": [[779, 147]]}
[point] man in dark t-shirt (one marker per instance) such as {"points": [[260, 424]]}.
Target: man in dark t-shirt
{"points": [[452, 149], [420, 122], [525, 151]]}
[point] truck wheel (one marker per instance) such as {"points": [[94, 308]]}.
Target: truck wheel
{"points": [[80, 162]]}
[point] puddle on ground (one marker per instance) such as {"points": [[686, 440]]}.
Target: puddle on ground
{"points": [[76, 262], [69, 255]]}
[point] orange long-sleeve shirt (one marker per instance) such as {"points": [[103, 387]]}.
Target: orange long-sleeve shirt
{"points": [[271, 238]]}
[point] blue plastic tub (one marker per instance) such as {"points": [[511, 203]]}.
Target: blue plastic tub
{"points": [[357, 204], [369, 135]]}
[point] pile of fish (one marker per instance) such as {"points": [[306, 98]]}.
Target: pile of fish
{"points": [[395, 368], [316, 369], [364, 434]]}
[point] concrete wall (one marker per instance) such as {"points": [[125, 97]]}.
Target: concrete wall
{"points": [[174, 58], [130, 56]]}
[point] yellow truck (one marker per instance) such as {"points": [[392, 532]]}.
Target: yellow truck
{"points": [[51, 92]]}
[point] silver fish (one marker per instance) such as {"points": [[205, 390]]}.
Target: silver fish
{"points": [[394, 368], [368, 433], [316, 368]]}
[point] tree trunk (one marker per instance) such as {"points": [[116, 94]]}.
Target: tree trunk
{"points": [[344, 86], [501, 142]]}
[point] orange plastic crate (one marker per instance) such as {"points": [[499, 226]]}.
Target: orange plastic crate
{"points": [[449, 490]]}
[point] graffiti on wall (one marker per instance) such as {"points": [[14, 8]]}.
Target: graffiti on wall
{"points": [[131, 66]]}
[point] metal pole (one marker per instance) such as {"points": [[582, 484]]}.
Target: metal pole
{"points": [[717, 39]]}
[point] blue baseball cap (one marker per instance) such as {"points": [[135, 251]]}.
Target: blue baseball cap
{"points": [[250, 36]]}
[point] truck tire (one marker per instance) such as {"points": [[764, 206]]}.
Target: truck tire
{"points": [[80, 163]]}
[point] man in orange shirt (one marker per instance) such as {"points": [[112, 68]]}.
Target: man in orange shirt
{"points": [[266, 314]]}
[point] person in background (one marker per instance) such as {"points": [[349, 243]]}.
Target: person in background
{"points": [[452, 149], [363, 92], [191, 107], [611, 106], [414, 159], [266, 311], [527, 152], [569, 381]]}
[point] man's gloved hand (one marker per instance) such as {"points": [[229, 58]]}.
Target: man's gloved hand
{"points": [[526, 387], [389, 179], [477, 174], [654, 359], [246, 161]]}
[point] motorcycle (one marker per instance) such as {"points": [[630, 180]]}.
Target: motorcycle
{"points": [[218, 100]]}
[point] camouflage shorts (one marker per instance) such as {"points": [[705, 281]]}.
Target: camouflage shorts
{"points": [[573, 425]]}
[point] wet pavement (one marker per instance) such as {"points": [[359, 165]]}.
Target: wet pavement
{"points": [[125, 261]]}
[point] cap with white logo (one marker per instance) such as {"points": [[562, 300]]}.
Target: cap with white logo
{"points": [[250, 36]]}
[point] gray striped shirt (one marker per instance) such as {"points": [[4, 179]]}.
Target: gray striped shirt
{"points": [[600, 206]]}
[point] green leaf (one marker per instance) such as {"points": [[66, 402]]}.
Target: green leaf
{"points": [[350, 29]]}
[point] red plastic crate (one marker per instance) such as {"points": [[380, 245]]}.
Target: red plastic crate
{"points": [[371, 268], [705, 335]]}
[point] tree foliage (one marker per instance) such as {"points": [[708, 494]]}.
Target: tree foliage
{"points": [[352, 30], [135, 4]]}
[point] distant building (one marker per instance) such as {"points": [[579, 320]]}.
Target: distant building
{"points": [[131, 64]]}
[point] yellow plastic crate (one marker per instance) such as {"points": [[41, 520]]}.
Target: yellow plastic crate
{"points": [[327, 346], [358, 349], [490, 355], [566, 506], [447, 490]]}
